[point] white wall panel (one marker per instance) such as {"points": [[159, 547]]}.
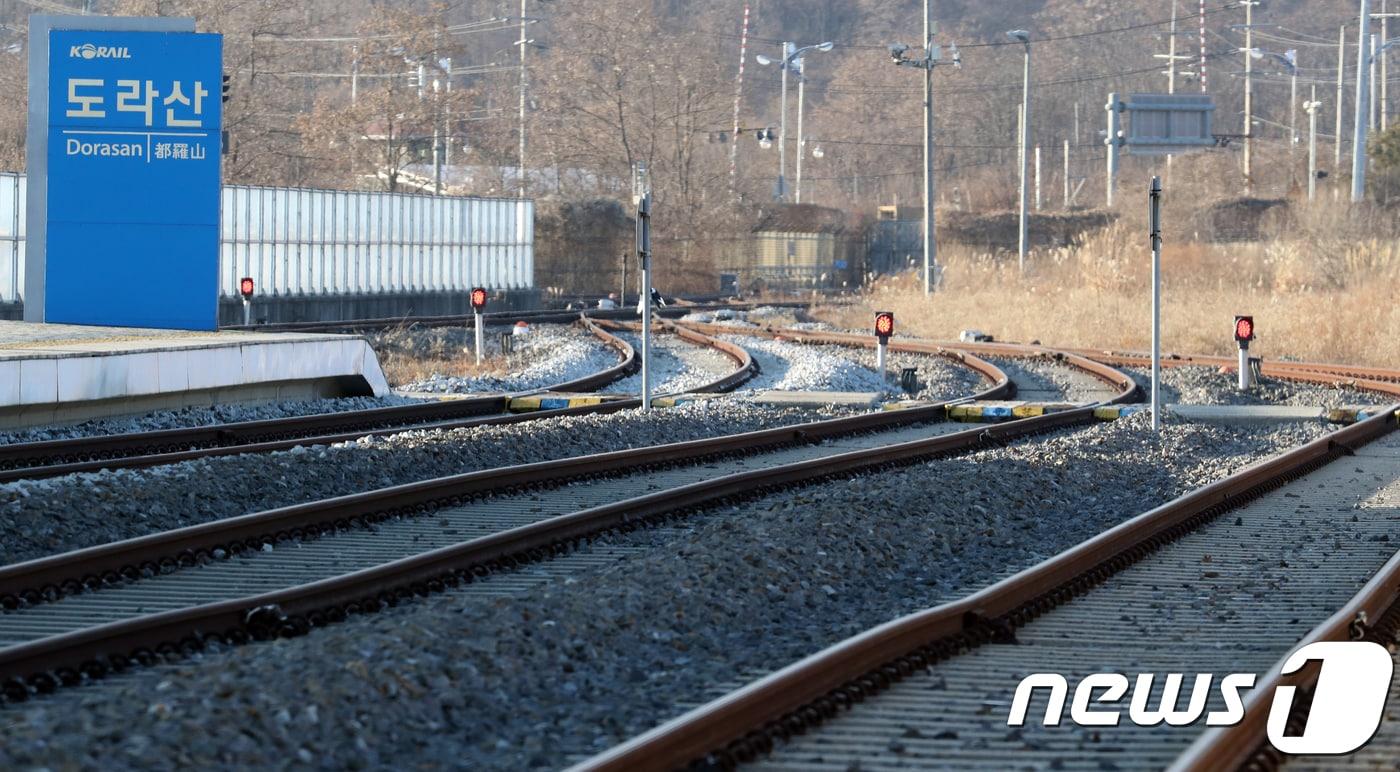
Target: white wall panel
{"points": [[322, 242]]}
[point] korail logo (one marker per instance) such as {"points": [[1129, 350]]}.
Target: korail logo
{"points": [[1343, 714], [90, 51]]}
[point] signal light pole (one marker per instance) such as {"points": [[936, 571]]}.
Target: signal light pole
{"points": [[478, 305], [245, 288], [884, 328], [1244, 333], [644, 253], [1155, 219]]}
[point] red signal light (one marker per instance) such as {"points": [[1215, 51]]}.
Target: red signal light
{"points": [[245, 286], [1244, 329], [478, 299], [884, 325]]}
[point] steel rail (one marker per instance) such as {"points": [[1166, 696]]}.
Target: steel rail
{"points": [[741, 725], [496, 417], [1332, 373], [1373, 614], [54, 576], [46, 663], [53, 458], [1098, 369]]}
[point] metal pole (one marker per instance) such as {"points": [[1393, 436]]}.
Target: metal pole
{"points": [[782, 129], [738, 98], [1155, 219], [1111, 176], [1341, 94], [801, 143], [355, 76], [930, 245], [1293, 111], [1363, 91], [880, 360], [1313, 106], [1202, 16], [1248, 95], [437, 138], [1066, 174], [1037, 178], [1025, 153], [247, 312], [1385, 70], [523, 84], [480, 330], [644, 251], [622, 288], [1372, 120]]}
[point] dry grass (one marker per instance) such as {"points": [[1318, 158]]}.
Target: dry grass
{"points": [[1321, 293], [409, 355], [401, 370]]}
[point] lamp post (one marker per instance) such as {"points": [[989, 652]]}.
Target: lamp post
{"points": [[791, 61], [1024, 38], [1312, 106]]}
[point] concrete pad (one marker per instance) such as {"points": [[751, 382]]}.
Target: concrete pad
{"points": [[1235, 414], [818, 398], [55, 373]]}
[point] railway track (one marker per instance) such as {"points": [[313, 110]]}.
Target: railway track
{"points": [[1225, 579], [55, 458], [80, 615]]}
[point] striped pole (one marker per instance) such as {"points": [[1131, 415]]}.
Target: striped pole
{"points": [[1203, 46], [738, 97]]}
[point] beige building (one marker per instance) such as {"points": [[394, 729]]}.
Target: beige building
{"points": [[798, 247]]}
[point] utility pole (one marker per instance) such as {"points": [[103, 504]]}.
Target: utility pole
{"points": [[738, 98], [801, 139], [1202, 73], [1114, 142], [930, 60], [1249, 93], [1373, 121], [932, 57], [1341, 93], [524, 43], [1384, 16], [1024, 37], [437, 137], [1066, 175], [781, 193], [1363, 93], [1312, 107], [1037, 178]]}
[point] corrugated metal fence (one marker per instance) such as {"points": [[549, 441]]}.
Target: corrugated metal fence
{"points": [[322, 242], [12, 209]]}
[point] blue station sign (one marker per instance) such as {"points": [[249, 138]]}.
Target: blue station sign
{"points": [[134, 173]]}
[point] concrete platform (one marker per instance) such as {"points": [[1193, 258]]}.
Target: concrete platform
{"points": [[54, 373], [1252, 414], [818, 398]]}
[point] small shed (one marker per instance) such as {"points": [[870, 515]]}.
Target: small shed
{"points": [[799, 247]]}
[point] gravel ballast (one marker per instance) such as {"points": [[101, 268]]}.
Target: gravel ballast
{"points": [[546, 356], [44, 517], [535, 679], [200, 416], [1212, 386], [678, 366]]}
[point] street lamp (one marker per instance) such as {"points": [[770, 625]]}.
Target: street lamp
{"points": [[1024, 37], [791, 61]]}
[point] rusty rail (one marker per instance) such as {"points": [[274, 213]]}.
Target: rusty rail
{"points": [[54, 458], [45, 664], [744, 723]]}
